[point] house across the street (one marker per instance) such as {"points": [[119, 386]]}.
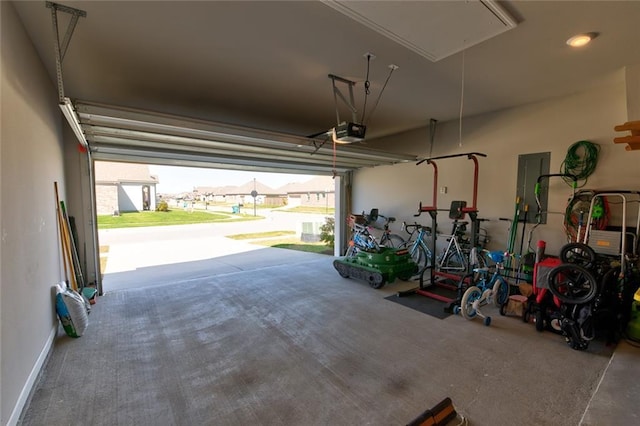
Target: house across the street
{"points": [[124, 187]]}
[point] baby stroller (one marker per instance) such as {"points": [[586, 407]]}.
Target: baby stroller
{"points": [[585, 292]]}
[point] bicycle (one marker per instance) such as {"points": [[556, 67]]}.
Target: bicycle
{"points": [[487, 288], [363, 240], [459, 256], [417, 245], [387, 239]]}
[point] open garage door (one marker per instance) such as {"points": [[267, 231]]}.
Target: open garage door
{"points": [[121, 134]]}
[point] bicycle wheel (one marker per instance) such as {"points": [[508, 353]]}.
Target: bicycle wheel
{"points": [[482, 261], [578, 254], [392, 240], [472, 294], [454, 261], [418, 256], [427, 255], [500, 293], [572, 283]]}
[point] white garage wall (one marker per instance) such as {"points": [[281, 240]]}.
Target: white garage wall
{"points": [[32, 160], [550, 126]]}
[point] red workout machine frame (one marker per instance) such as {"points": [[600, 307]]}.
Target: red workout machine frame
{"points": [[472, 211]]}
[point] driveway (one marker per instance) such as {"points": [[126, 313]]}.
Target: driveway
{"points": [[160, 255]]}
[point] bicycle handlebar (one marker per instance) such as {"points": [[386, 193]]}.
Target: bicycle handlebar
{"points": [[414, 226]]}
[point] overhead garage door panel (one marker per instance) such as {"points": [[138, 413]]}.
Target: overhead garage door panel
{"points": [[116, 133]]}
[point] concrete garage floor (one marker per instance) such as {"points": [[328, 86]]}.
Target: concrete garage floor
{"points": [[287, 341]]}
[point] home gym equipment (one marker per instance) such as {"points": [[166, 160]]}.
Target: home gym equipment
{"points": [[438, 278]]}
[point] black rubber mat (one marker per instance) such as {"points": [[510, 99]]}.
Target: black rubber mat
{"points": [[423, 304]]}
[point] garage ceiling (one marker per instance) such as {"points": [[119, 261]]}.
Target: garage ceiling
{"points": [[265, 65]]}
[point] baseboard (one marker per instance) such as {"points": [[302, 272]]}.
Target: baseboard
{"points": [[31, 380]]}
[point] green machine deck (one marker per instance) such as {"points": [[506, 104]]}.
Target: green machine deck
{"points": [[377, 268]]}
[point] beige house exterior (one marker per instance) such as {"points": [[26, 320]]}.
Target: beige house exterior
{"points": [[317, 192], [124, 187]]}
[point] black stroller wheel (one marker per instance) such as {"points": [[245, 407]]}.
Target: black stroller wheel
{"points": [[572, 283], [526, 314], [578, 254], [539, 320]]}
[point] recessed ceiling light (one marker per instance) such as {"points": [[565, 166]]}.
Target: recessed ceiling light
{"points": [[581, 39]]}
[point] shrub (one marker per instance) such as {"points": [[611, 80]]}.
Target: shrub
{"points": [[327, 231], [162, 207]]}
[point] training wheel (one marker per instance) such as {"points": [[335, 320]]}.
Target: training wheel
{"points": [[487, 321], [456, 310]]}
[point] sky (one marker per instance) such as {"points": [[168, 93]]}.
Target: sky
{"points": [[174, 179]]}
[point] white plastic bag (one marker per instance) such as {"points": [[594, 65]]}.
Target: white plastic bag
{"points": [[73, 311]]}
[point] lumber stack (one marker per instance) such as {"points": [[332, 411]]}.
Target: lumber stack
{"points": [[633, 140]]}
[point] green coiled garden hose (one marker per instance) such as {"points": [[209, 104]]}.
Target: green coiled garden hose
{"points": [[581, 161]]}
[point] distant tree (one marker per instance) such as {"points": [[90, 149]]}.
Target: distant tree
{"points": [[327, 231]]}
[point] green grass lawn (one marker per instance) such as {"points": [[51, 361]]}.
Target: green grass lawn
{"points": [[278, 239], [309, 209], [172, 217]]}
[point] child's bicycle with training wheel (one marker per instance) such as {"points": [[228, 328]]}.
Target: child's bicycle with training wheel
{"points": [[489, 287]]}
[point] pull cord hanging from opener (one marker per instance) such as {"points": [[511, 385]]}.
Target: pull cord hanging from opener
{"points": [[580, 166], [367, 87]]}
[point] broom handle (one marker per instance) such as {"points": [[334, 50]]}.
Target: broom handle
{"points": [[63, 246], [74, 252], [66, 255]]}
